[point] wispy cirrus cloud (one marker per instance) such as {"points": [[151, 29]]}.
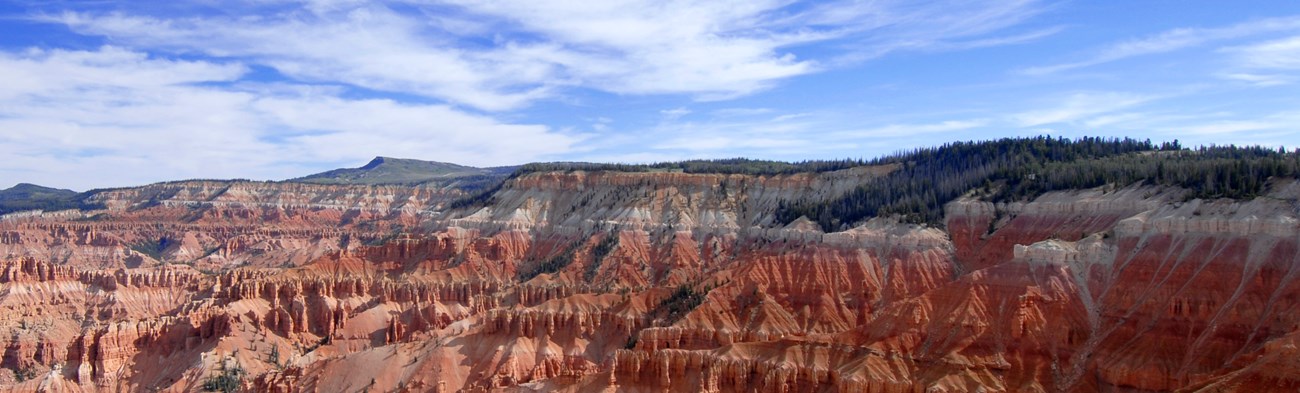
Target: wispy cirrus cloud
{"points": [[1281, 54], [503, 55], [1264, 64], [772, 134], [896, 130], [1173, 40], [891, 26], [1259, 79], [369, 46], [1080, 106], [1275, 125]]}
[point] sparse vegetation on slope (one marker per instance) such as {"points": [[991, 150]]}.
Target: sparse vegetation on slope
{"points": [[682, 301], [227, 379], [152, 249], [598, 254], [549, 265], [478, 199]]}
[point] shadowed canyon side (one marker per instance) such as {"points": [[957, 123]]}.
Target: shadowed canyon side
{"points": [[690, 278]]}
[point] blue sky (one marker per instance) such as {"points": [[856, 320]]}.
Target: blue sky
{"points": [[116, 93]]}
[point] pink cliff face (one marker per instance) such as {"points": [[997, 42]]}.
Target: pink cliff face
{"points": [[576, 281]]}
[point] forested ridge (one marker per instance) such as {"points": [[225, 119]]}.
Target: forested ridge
{"points": [[1021, 169], [1004, 170]]}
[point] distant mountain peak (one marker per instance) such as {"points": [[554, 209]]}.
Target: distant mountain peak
{"points": [[375, 163], [380, 161], [21, 186], [28, 196], [390, 170], [29, 187]]}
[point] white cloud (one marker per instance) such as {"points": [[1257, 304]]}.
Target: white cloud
{"points": [[371, 47], [1118, 118], [1229, 127], [1259, 79], [1000, 41], [785, 136], [1237, 128], [1281, 54], [904, 130], [1173, 40], [333, 127], [788, 135], [1264, 63], [890, 26], [711, 50], [741, 112], [1202, 125], [675, 113], [1079, 106], [43, 71], [113, 117], [601, 123]]}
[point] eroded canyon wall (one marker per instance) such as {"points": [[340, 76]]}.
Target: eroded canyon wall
{"points": [[589, 281]]}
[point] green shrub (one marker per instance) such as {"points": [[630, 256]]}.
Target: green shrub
{"points": [[227, 379]]}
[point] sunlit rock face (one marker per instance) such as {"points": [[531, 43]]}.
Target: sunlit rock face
{"points": [[602, 281]]}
